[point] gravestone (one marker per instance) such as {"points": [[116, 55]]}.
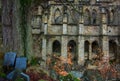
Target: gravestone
{"points": [[21, 63], [9, 59]]}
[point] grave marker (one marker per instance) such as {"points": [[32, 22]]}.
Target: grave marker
{"points": [[9, 59], [21, 63]]}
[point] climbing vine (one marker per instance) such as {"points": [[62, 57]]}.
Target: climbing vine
{"points": [[24, 8]]}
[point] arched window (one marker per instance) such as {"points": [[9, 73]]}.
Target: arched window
{"points": [[108, 16], [72, 50], [86, 49], [95, 47], [116, 17], [112, 49], [87, 17], [111, 16], [94, 16], [56, 48], [72, 46], [57, 16]]}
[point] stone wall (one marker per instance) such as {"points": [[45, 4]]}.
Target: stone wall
{"points": [[64, 24]]}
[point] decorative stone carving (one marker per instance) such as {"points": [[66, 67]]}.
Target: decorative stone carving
{"points": [[57, 17]]}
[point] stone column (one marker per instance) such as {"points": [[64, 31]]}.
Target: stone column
{"points": [[64, 37], [64, 29], [80, 50], [81, 29], [49, 47], [81, 53], [105, 44], [44, 51], [45, 23], [90, 51], [45, 28], [64, 46]]}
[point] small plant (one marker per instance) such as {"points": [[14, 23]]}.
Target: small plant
{"points": [[69, 77], [36, 60], [33, 61]]}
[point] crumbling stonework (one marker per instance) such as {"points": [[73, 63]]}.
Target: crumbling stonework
{"points": [[94, 21]]}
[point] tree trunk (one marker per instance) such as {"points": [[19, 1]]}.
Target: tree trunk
{"points": [[10, 26], [7, 24]]}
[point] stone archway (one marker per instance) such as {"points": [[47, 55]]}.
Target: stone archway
{"points": [[112, 50], [72, 49], [56, 47], [95, 47], [86, 49]]}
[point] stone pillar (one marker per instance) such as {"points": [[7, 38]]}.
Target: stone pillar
{"points": [[90, 51], [81, 53], [64, 38], [80, 50], [49, 47], [81, 29], [81, 25], [105, 44], [64, 29], [45, 28], [64, 46], [44, 50], [45, 23]]}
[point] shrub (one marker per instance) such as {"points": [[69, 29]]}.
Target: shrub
{"points": [[69, 77]]}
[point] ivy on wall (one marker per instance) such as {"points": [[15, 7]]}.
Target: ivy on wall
{"points": [[24, 7]]}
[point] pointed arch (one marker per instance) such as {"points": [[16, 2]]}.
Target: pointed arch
{"points": [[56, 47], [57, 16], [111, 16], [87, 17], [94, 16], [95, 47], [86, 49], [72, 49], [112, 49], [108, 16]]}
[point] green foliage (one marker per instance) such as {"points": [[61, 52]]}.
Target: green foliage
{"points": [[19, 79], [41, 80], [3, 75], [24, 7], [69, 77], [33, 61]]}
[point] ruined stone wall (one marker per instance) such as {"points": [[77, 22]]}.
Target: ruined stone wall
{"points": [[65, 24]]}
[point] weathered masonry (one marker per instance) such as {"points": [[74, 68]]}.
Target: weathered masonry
{"points": [[82, 26]]}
